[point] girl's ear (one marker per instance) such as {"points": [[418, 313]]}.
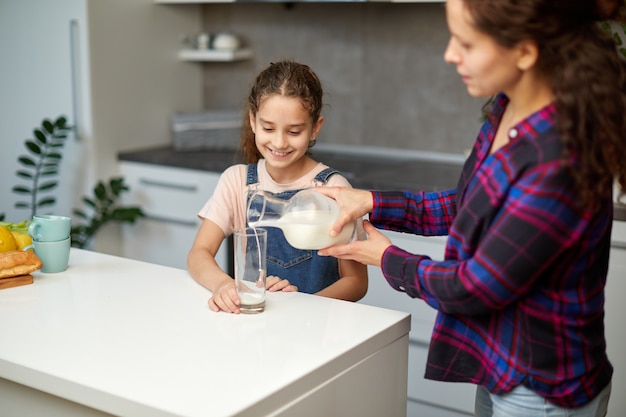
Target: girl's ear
{"points": [[317, 127], [252, 122], [528, 53]]}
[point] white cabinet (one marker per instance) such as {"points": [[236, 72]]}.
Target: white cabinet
{"points": [[171, 198], [425, 397], [615, 310]]}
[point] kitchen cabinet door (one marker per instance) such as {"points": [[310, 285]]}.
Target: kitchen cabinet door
{"points": [[170, 198], [451, 400], [615, 310]]}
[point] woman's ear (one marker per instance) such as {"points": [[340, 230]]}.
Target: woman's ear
{"points": [[252, 122], [317, 127], [528, 53]]}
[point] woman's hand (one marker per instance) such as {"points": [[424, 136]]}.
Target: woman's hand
{"points": [[368, 252], [353, 204], [274, 284]]}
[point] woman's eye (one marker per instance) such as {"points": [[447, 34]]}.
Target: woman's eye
{"points": [[268, 129]]}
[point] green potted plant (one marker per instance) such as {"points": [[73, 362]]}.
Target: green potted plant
{"points": [[37, 176]]}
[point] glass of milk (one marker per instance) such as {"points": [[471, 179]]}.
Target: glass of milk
{"points": [[250, 246]]}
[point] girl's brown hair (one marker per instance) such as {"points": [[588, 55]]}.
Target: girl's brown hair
{"points": [[286, 78], [587, 76]]}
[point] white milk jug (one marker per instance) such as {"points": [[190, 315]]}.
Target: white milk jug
{"points": [[305, 219]]}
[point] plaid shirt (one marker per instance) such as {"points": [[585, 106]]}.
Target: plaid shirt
{"points": [[520, 293]]}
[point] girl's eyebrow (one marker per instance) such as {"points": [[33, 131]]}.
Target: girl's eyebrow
{"points": [[265, 121], [303, 124]]}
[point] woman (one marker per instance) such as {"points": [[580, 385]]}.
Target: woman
{"points": [[520, 294]]}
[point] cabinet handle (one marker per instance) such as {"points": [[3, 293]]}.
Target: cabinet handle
{"points": [[170, 185], [161, 219], [75, 75], [618, 245]]}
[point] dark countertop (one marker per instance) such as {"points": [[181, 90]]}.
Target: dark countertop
{"points": [[363, 171]]}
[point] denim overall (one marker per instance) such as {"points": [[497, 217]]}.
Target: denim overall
{"points": [[303, 268]]}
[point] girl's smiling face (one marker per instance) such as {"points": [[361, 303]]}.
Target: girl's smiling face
{"points": [[283, 130], [486, 67]]}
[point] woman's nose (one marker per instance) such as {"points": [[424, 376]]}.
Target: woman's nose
{"points": [[449, 55]]}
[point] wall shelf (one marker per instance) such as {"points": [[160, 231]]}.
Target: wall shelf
{"points": [[213, 55]]}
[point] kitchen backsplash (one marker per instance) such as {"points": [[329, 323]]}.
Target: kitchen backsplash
{"points": [[381, 65]]}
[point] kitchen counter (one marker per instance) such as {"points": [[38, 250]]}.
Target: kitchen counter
{"points": [[116, 336], [364, 167]]}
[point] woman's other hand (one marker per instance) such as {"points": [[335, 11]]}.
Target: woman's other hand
{"points": [[353, 204], [368, 252]]}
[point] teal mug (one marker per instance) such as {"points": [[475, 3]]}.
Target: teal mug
{"points": [[54, 255], [49, 228]]}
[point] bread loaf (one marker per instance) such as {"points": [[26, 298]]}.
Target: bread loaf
{"points": [[16, 262]]}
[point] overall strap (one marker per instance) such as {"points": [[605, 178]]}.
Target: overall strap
{"points": [[325, 174], [252, 176]]}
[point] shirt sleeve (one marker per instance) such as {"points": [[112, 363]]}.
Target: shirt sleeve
{"points": [[427, 214], [534, 224], [226, 207]]}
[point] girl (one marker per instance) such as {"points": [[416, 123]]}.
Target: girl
{"points": [[520, 294], [281, 123]]}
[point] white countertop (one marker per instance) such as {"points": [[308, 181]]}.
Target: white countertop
{"points": [[132, 338]]}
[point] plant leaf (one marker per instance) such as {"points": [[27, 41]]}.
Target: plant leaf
{"points": [[25, 160], [61, 122], [24, 174], [33, 147], [48, 172], [127, 214], [22, 205], [20, 189], [40, 136], [79, 213], [47, 125], [89, 202], [100, 191], [48, 201], [47, 186], [53, 155]]}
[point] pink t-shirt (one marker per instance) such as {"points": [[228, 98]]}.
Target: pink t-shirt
{"points": [[227, 205]]}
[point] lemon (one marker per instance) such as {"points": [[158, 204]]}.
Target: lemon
{"points": [[22, 239], [7, 241]]}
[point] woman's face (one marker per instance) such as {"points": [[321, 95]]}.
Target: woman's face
{"points": [[283, 129], [485, 67]]}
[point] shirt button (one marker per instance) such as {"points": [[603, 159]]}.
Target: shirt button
{"points": [[401, 288], [513, 133]]}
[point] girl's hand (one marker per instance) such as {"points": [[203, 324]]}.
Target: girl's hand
{"points": [[368, 252], [353, 204], [274, 284], [225, 298]]}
